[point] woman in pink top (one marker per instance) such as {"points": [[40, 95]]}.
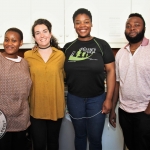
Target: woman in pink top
{"points": [[15, 86]]}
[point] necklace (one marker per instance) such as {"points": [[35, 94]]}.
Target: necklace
{"points": [[44, 47], [133, 50]]}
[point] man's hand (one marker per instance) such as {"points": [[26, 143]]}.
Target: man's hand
{"points": [[147, 111], [112, 118]]}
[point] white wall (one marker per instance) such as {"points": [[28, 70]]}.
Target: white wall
{"points": [[109, 18]]}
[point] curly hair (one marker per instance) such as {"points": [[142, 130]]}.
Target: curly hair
{"points": [[82, 11], [137, 15]]}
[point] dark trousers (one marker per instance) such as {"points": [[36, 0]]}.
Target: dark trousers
{"points": [[13, 141], [136, 130], [45, 134]]}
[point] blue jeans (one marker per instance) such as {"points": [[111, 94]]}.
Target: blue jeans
{"points": [[91, 128]]}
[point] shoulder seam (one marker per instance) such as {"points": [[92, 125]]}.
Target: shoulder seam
{"points": [[70, 45]]}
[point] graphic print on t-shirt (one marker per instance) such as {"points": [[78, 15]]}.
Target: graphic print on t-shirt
{"points": [[82, 54]]}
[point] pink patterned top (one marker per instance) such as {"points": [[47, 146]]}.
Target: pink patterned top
{"points": [[15, 86], [133, 74]]}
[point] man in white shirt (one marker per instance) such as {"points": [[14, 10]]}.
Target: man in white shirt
{"points": [[133, 86]]}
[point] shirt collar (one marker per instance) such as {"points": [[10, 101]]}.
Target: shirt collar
{"points": [[144, 42]]}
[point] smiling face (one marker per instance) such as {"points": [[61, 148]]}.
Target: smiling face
{"points": [[42, 35], [134, 30], [82, 25], [12, 42]]}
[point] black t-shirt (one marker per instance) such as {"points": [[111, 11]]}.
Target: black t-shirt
{"points": [[84, 66]]}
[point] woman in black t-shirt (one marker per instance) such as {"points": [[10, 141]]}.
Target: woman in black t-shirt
{"points": [[87, 102]]}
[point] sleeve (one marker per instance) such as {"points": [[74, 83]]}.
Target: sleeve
{"points": [[25, 55], [65, 47], [117, 68], [108, 55]]}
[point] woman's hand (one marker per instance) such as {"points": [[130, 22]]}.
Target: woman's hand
{"points": [[107, 105]]}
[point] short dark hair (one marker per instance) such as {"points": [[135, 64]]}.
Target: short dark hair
{"points": [[82, 11], [16, 30], [137, 15]]}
